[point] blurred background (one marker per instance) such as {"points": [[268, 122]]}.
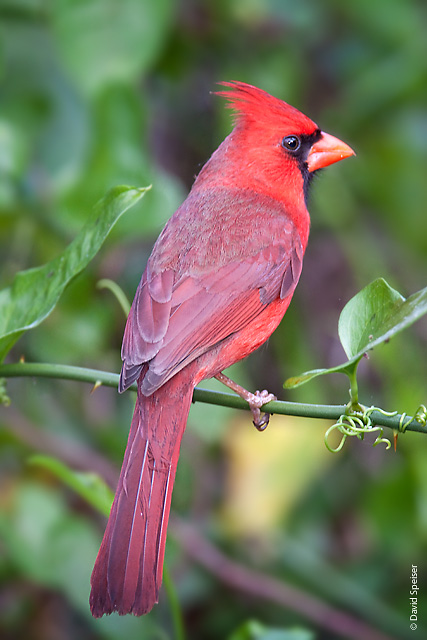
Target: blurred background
{"points": [[96, 93]]}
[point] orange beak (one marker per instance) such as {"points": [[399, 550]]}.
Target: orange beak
{"points": [[326, 151]]}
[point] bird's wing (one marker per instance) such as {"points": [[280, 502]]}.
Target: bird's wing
{"points": [[176, 318]]}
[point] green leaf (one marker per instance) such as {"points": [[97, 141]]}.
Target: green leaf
{"points": [[105, 42], [35, 292], [302, 378], [367, 316], [296, 381], [87, 485], [254, 630], [371, 317]]}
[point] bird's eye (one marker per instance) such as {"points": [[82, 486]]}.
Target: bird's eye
{"points": [[291, 143]]}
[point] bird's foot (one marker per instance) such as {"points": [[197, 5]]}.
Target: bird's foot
{"points": [[258, 400], [255, 400]]}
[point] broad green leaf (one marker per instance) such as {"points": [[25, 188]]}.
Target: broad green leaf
{"points": [[88, 485], [376, 314], [106, 42], [371, 317], [367, 316], [34, 293]]}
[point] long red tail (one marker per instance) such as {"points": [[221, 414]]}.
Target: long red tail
{"points": [[128, 570]]}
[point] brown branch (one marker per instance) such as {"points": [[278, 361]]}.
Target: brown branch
{"points": [[258, 585]]}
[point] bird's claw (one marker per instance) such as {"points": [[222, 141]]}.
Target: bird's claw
{"points": [[260, 398], [261, 422]]}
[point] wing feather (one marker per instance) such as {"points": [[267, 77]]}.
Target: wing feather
{"points": [[180, 312]]}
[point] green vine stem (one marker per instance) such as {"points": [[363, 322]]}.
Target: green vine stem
{"points": [[380, 418], [354, 389], [175, 608], [117, 292], [358, 423]]}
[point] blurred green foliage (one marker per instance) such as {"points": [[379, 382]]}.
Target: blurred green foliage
{"points": [[96, 93]]}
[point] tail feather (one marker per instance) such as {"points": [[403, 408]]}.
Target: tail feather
{"points": [[128, 570]]}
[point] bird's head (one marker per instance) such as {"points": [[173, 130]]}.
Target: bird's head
{"points": [[279, 143]]}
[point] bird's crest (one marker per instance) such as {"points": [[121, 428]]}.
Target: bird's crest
{"points": [[255, 105]]}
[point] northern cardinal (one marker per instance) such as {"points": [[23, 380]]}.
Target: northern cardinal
{"points": [[218, 282]]}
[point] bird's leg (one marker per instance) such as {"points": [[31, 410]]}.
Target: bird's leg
{"points": [[255, 400]]}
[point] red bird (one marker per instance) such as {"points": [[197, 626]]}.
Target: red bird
{"points": [[217, 284]]}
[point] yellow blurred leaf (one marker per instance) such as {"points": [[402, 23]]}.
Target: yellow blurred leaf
{"points": [[269, 472]]}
